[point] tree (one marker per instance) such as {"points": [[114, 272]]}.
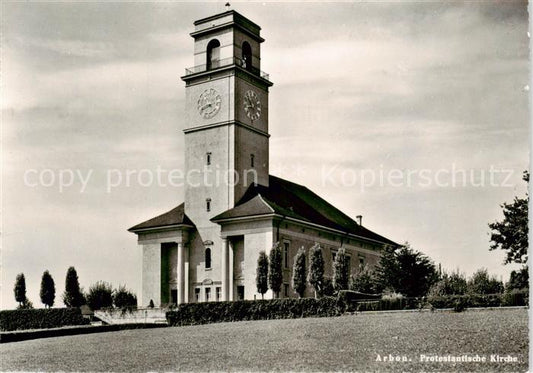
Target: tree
{"points": [[123, 298], [363, 282], [316, 269], [299, 273], [20, 290], [275, 274], [482, 283], [510, 234], [405, 271], [519, 279], [261, 278], [100, 295], [449, 284], [72, 297], [48, 289], [341, 270]]}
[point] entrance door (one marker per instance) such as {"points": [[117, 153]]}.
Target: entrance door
{"points": [[174, 296], [240, 292]]}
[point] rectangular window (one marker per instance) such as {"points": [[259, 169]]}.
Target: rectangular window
{"points": [[218, 293], [197, 294], [333, 255], [286, 290], [361, 262], [252, 160], [208, 204], [207, 294], [286, 254], [208, 158]]}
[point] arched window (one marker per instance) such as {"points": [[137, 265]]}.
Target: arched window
{"points": [[213, 54], [246, 55], [208, 258]]}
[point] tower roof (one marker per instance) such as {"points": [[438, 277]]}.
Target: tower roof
{"points": [[227, 19]]}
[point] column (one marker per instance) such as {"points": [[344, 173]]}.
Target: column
{"points": [[224, 269], [186, 298], [230, 271], [181, 272]]}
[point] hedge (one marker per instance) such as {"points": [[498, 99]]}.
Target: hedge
{"points": [[42, 318], [347, 301], [212, 312], [511, 298]]}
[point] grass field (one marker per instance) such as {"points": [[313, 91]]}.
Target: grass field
{"points": [[349, 343]]}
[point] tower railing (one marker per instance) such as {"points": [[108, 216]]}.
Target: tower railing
{"points": [[224, 63]]}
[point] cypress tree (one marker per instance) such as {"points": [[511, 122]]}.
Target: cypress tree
{"points": [[48, 289], [341, 270], [275, 274], [261, 279], [316, 269], [20, 290], [299, 273]]}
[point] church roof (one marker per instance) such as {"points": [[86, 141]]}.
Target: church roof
{"points": [[292, 200], [176, 216]]}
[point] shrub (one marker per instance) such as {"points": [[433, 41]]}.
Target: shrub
{"points": [[515, 298], [123, 298], [100, 295], [212, 312], [363, 282], [151, 304], [40, 318]]}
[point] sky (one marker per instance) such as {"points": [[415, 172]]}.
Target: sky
{"points": [[411, 114]]}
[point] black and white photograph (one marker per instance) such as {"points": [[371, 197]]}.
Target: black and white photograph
{"points": [[265, 186]]}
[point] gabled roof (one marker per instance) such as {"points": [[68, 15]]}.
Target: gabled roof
{"points": [[292, 200], [176, 216]]}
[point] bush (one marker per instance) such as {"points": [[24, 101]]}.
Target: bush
{"points": [[100, 296], [515, 298], [124, 299], [212, 312], [42, 318]]}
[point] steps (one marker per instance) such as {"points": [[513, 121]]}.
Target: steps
{"points": [[139, 316]]}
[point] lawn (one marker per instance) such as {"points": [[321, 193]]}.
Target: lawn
{"points": [[350, 343]]}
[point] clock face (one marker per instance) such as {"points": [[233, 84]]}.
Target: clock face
{"points": [[252, 105], [209, 103]]}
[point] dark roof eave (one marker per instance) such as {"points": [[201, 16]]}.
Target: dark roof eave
{"points": [[257, 216], [245, 217], [159, 228]]}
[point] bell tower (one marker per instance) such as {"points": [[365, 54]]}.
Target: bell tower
{"points": [[226, 139]]}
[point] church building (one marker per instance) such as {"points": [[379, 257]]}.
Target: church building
{"points": [[206, 248]]}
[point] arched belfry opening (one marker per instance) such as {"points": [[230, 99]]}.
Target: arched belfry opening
{"points": [[246, 55], [213, 54]]}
